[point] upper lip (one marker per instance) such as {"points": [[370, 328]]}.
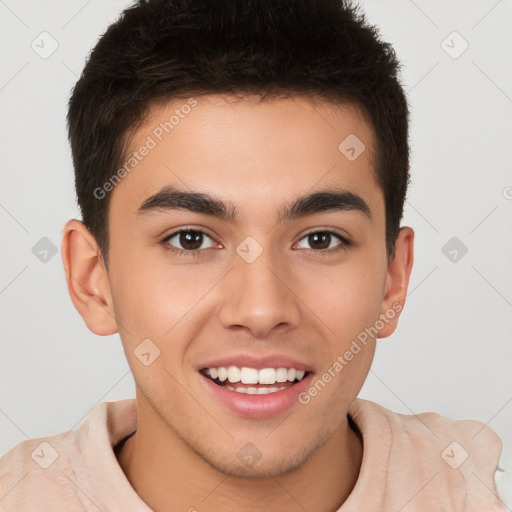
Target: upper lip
{"points": [[255, 361]]}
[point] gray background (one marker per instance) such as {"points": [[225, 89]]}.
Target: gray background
{"points": [[452, 352]]}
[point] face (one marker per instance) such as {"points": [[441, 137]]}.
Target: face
{"points": [[228, 269]]}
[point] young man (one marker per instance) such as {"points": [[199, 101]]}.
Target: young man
{"points": [[241, 169]]}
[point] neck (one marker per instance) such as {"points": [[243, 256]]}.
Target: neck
{"points": [[168, 475]]}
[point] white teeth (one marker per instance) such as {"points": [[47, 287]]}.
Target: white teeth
{"points": [[247, 375], [234, 374], [281, 375], [255, 391], [267, 376]]}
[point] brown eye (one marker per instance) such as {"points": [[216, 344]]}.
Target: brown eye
{"points": [[322, 240], [189, 240], [319, 240]]}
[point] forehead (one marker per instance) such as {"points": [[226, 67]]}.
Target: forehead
{"points": [[249, 152]]}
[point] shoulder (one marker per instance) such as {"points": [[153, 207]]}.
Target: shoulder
{"points": [[32, 472], [448, 460], [58, 472], [430, 428]]}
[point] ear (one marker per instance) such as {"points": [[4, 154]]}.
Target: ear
{"points": [[87, 278], [397, 282]]}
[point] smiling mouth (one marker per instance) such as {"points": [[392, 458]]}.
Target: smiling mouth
{"points": [[254, 381]]}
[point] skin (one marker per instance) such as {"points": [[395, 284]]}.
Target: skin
{"points": [[293, 299]]}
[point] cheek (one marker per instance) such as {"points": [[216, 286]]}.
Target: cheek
{"points": [[346, 297], [155, 299]]}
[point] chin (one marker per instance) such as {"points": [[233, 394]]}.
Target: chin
{"points": [[251, 463]]}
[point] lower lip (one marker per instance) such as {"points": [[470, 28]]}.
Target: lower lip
{"points": [[257, 406]]}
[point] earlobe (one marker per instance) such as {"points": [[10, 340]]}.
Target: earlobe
{"points": [[87, 278], [397, 281]]}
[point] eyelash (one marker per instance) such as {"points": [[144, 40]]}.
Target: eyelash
{"points": [[194, 254]]}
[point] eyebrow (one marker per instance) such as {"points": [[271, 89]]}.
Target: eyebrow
{"points": [[324, 201]]}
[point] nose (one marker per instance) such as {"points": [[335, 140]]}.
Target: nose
{"points": [[259, 297]]}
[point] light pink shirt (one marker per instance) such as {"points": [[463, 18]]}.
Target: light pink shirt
{"points": [[411, 463]]}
